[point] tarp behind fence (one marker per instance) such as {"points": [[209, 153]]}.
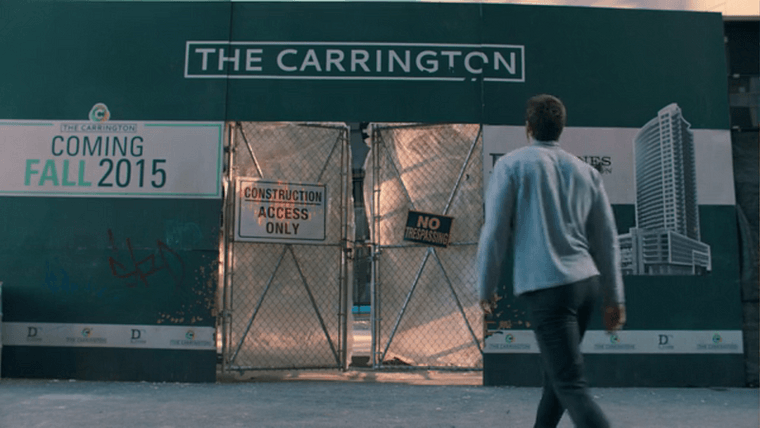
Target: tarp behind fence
{"points": [[425, 309], [286, 288]]}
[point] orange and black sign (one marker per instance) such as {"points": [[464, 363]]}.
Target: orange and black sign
{"points": [[431, 229]]}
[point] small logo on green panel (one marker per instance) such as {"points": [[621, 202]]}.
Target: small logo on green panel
{"points": [[99, 113]]}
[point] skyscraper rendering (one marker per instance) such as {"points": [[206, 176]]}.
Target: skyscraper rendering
{"points": [[666, 239]]}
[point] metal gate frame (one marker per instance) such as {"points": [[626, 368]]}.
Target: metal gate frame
{"points": [[231, 351], [378, 351]]}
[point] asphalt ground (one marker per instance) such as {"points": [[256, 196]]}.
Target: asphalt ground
{"points": [[350, 399]]}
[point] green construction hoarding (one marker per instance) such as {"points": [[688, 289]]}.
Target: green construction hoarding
{"points": [[112, 129]]}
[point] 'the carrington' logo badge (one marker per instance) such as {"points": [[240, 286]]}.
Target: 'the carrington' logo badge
{"points": [[192, 339], [99, 113], [87, 336], [508, 342], [616, 343], [719, 344]]}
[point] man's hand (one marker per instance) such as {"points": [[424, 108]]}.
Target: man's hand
{"points": [[488, 305], [614, 316]]}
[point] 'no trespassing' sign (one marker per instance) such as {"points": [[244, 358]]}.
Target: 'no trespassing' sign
{"points": [[430, 229]]}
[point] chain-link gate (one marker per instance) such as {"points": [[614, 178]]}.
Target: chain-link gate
{"points": [[425, 311], [285, 304]]}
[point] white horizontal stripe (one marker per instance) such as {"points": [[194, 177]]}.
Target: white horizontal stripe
{"points": [[108, 336], [712, 153], [627, 342]]}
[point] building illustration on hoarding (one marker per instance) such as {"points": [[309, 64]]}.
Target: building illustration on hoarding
{"points": [[666, 238]]}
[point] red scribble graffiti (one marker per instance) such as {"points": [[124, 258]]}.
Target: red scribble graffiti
{"points": [[138, 271]]}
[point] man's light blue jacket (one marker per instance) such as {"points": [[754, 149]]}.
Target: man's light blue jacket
{"points": [[554, 208]]}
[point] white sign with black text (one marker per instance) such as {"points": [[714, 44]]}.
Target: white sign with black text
{"points": [[111, 159], [280, 212]]}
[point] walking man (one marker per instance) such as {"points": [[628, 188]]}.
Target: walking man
{"points": [[553, 209]]}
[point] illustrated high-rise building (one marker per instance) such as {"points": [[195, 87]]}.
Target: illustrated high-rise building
{"points": [[666, 183], [666, 239]]}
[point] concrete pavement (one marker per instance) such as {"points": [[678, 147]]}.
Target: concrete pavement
{"points": [[351, 399]]}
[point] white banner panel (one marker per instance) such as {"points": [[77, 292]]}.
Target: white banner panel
{"points": [[276, 211], [108, 336], [628, 342], [111, 159], [611, 150]]}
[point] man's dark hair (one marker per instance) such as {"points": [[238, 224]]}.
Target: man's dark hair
{"points": [[546, 117]]}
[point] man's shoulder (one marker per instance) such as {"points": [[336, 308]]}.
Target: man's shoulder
{"points": [[517, 155], [577, 162], [511, 161]]}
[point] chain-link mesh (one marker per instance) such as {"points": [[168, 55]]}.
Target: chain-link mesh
{"points": [[288, 301], [426, 307]]}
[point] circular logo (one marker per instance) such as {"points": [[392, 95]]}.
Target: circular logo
{"points": [[190, 335], [716, 338], [86, 332], [99, 113], [509, 338], [614, 339]]}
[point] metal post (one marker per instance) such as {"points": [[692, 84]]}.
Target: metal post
{"points": [[344, 286], [374, 206], [227, 265]]}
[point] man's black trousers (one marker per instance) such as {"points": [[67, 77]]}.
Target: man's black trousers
{"points": [[559, 317]]}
